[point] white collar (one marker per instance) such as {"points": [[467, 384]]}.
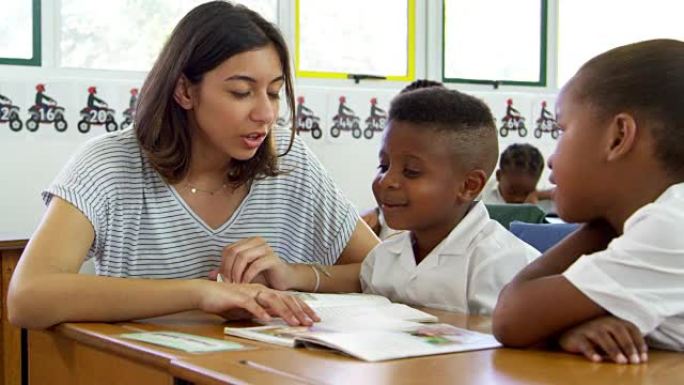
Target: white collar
{"points": [[674, 191], [456, 243]]}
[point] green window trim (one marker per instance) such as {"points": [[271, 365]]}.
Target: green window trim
{"points": [[410, 53], [541, 82], [35, 60]]}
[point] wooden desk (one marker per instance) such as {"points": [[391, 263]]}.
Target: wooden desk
{"points": [[92, 353], [10, 355]]}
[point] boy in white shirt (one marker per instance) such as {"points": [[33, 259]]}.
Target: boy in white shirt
{"points": [[619, 167], [438, 150], [520, 167]]}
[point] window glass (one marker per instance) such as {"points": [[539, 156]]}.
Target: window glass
{"points": [[620, 22], [355, 37], [494, 40], [20, 31], [126, 35]]}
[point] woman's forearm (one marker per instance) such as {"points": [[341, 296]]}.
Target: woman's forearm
{"points": [[340, 278], [50, 299]]}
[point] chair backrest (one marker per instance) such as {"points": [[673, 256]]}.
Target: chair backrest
{"points": [[542, 236], [506, 213]]}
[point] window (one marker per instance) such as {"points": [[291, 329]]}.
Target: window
{"points": [[20, 31], [126, 35], [337, 38], [495, 40], [621, 22]]}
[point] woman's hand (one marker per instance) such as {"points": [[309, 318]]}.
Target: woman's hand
{"points": [[620, 340], [231, 300], [251, 259]]}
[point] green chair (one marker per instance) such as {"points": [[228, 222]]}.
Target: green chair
{"points": [[506, 213]]}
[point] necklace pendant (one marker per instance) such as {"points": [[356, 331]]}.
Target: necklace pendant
{"points": [[193, 190]]}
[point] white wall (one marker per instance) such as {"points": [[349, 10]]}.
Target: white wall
{"points": [[29, 161]]}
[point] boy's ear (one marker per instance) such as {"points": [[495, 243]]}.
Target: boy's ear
{"points": [[622, 135], [472, 185], [182, 93], [498, 175]]}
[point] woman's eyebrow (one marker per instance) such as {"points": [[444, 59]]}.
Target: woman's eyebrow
{"points": [[251, 79]]}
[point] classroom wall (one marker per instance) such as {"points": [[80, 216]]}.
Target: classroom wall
{"points": [[30, 160]]}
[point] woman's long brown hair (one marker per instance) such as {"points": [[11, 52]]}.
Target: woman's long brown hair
{"points": [[207, 36]]}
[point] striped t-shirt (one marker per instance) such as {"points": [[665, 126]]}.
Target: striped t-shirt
{"points": [[144, 229]]}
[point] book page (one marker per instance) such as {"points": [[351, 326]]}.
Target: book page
{"points": [[390, 310], [379, 345], [318, 300], [340, 313], [331, 306], [279, 334]]}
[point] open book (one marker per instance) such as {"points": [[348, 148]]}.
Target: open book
{"points": [[331, 307], [370, 335]]}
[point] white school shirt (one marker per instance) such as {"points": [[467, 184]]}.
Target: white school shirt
{"points": [[385, 230], [640, 276], [493, 196], [463, 273]]}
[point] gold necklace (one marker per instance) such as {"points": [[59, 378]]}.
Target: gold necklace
{"points": [[194, 189]]}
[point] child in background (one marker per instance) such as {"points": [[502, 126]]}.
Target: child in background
{"points": [[438, 150], [618, 167], [373, 217], [520, 167]]}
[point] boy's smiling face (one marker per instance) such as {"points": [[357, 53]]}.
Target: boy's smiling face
{"points": [[418, 179]]}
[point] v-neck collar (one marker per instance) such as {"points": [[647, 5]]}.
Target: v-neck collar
{"points": [[455, 244], [201, 221]]}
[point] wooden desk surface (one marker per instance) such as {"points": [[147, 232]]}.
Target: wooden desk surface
{"points": [[13, 244], [500, 366]]}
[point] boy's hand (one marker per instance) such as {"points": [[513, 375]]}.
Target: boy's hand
{"points": [[620, 340]]}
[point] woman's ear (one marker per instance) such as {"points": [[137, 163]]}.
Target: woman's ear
{"points": [[182, 93], [472, 185], [622, 136]]}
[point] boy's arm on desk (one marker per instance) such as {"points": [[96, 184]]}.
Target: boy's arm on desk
{"points": [[540, 302]]}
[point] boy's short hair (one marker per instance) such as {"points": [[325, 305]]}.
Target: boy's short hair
{"points": [[647, 80], [522, 157], [467, 120], [421, 83]]}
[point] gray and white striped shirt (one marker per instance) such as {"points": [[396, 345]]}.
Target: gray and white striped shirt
{"points": [[144, 229]]}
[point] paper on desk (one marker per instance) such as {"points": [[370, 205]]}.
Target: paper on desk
{"points": [[182, 341], [345, 306]]}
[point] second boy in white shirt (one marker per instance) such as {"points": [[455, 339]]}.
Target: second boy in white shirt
{"points": [[463, 273], [439, 149]]}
